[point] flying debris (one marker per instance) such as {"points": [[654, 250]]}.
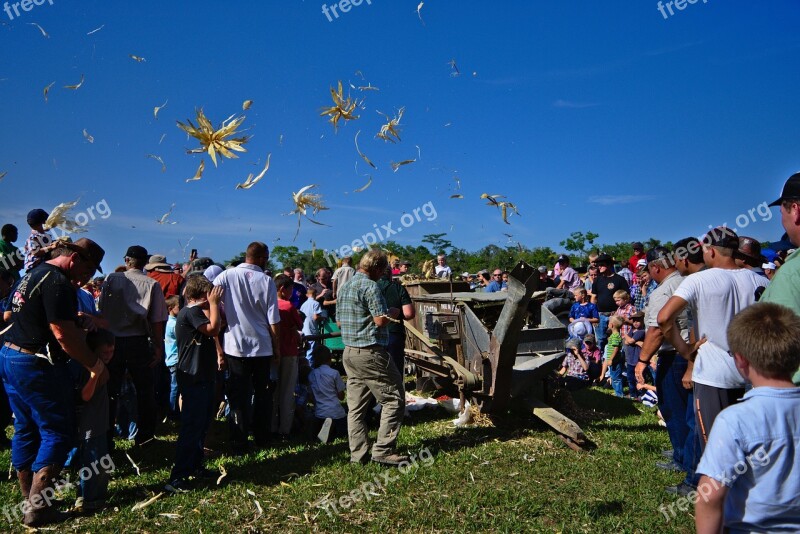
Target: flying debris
{"points": [[360, 75], [75, 87], [87, 136], [396, 166], [164, 218], [137, 59], [504, 206], [250, 182], [60, 217], [304, 202], [246, 105], [159, 108], [419, 12], [392, 127], [458, 182], [455, 72], [96, 30], [343, 108], [219, 140], [280, 139], [419, 152], [3, 174], [158, 159], [368, 87], [456, 196], [162, 138], [365, 186], [199, 173], [363, 156], [44, 33], [47, 90]]}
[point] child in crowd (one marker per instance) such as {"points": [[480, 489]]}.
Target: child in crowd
{"points": [[614, 362], [632, 348], [171, 355], [38, 244], [196, 327], [93, 425], [328, 389], [591, 353], [747, 482], [625, 309], [312, 313], [291, 324], [343, 274], [574, 370], [301, 393]]}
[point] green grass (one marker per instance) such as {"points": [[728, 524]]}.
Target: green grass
{"points": [[515, 477]]}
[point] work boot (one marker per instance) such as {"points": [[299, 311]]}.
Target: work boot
{"points": [[41, 509], [25, 478]]}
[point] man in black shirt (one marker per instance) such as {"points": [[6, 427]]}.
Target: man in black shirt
{"points": [[44, 335], [397, 296], [603, 289]]}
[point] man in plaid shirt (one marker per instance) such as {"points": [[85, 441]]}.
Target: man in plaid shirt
{"points": [[362, 315]]}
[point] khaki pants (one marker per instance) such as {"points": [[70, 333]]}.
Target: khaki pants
{"points": [[370, 371]]}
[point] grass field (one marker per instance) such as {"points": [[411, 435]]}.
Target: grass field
{"points": [[516, 477]]}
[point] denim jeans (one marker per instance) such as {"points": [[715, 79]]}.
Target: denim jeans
{"points": [[93, 485], [630, 375], [174, 410], [40, 395], [250, 398], [600, 332], [126, 411], [676, 405], [615, 370], [196, 416]]}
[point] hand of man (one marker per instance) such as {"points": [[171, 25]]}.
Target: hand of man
{"points": [[640, 367], [687, 379], [215, 295], [87, 322], [222, 363]]}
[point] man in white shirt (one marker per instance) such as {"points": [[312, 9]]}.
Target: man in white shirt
{"points": [[715, 296], [442, 269], [251, 342]]}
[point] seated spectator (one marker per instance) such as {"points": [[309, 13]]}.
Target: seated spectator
{"points": [[769, 269], [591, 353], [624, 272], [544, 280], [746, 483], [328, 389], [632, 348], [574, 372], [583, 312], [569, 277], [495, 284]]}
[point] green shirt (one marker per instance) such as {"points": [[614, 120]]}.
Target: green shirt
{"points": [[614, 340], [357, 303], [396, 296], [784, 289], [9, 258]]}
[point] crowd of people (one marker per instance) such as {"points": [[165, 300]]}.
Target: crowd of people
{"points": [[708, 330]]}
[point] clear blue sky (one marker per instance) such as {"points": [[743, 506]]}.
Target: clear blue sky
{"points": [[595, 116]]}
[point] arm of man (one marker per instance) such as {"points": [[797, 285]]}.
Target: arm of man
{"points": [[73, 341], [709, 506], [653, 339], [408, 310], [667, 322]]}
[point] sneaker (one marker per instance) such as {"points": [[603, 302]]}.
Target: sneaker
{"points": [[179, 485], [670, 454], [325, 432], [669, 466], [683, 489], [391, 460]]}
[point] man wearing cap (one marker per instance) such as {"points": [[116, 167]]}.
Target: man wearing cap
{"points": [[46, 332], [784, 288], [405, 265], [136, 311], [38, 244], [162, 272], [673, 381], [603, 289], [749, 255], [638, 254], [769, 269], [715, 296]]}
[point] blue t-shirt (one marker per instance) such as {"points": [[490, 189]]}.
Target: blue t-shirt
{"points": [[170, 343], [632, 352], [754, 450], [587, 310], [492, 287]]}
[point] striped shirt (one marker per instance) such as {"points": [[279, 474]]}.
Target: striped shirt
{"points": [[357, 303]]}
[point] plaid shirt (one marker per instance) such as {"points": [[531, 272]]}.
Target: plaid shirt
{"points": [[357, 302], [35, 242], [574, 367], [640, 301], [625, 312]]}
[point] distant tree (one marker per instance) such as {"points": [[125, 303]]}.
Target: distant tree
{"points": [[579, 242], [437, 242]]}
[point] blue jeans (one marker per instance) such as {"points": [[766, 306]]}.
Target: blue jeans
{"points": [[198, 410], [93, 485], [600, 332], [630, 374], [616, 370], [40, 395], [676, 405], [126, 411], [174, 410]]}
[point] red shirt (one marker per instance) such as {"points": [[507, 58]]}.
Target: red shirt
{"points": [[170, 282], [634, 260], [290, 325]]}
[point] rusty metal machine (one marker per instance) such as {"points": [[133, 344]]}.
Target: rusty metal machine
{"points": [[494, 348]]}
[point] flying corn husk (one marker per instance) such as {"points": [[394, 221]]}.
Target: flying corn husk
{"points": [[44, 33], [87, 136], [60, 217], [47, 90], [504, 206], [75, 87], [364, 187], [158, 159], [199, 173], [159, 108], [162, 138], [246, 105], [360, 74], [455, 72], [163, 219], [392, 127], [368, 87], [456, 196], [419, 12], [343, 108], [305, 202], [96, 30], [396, 166], [136, 58], [363, 156], [148, 502], [3, 174], [250, 182], [219, 140]]}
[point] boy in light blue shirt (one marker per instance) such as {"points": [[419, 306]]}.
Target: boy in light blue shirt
{"points": [[751, 465], [171, 355]]}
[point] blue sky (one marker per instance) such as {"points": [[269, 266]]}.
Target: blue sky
{"points": [[586, 115]]}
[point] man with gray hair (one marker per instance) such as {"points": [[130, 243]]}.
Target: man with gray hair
{"points": [[363, 317]]}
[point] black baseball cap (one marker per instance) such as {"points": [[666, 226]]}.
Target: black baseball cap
{"points": [[563, 259], [722, 237], [37, 216], [137, 252], [659, 253], [604, 258], [406, 262], [791, 189]]}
